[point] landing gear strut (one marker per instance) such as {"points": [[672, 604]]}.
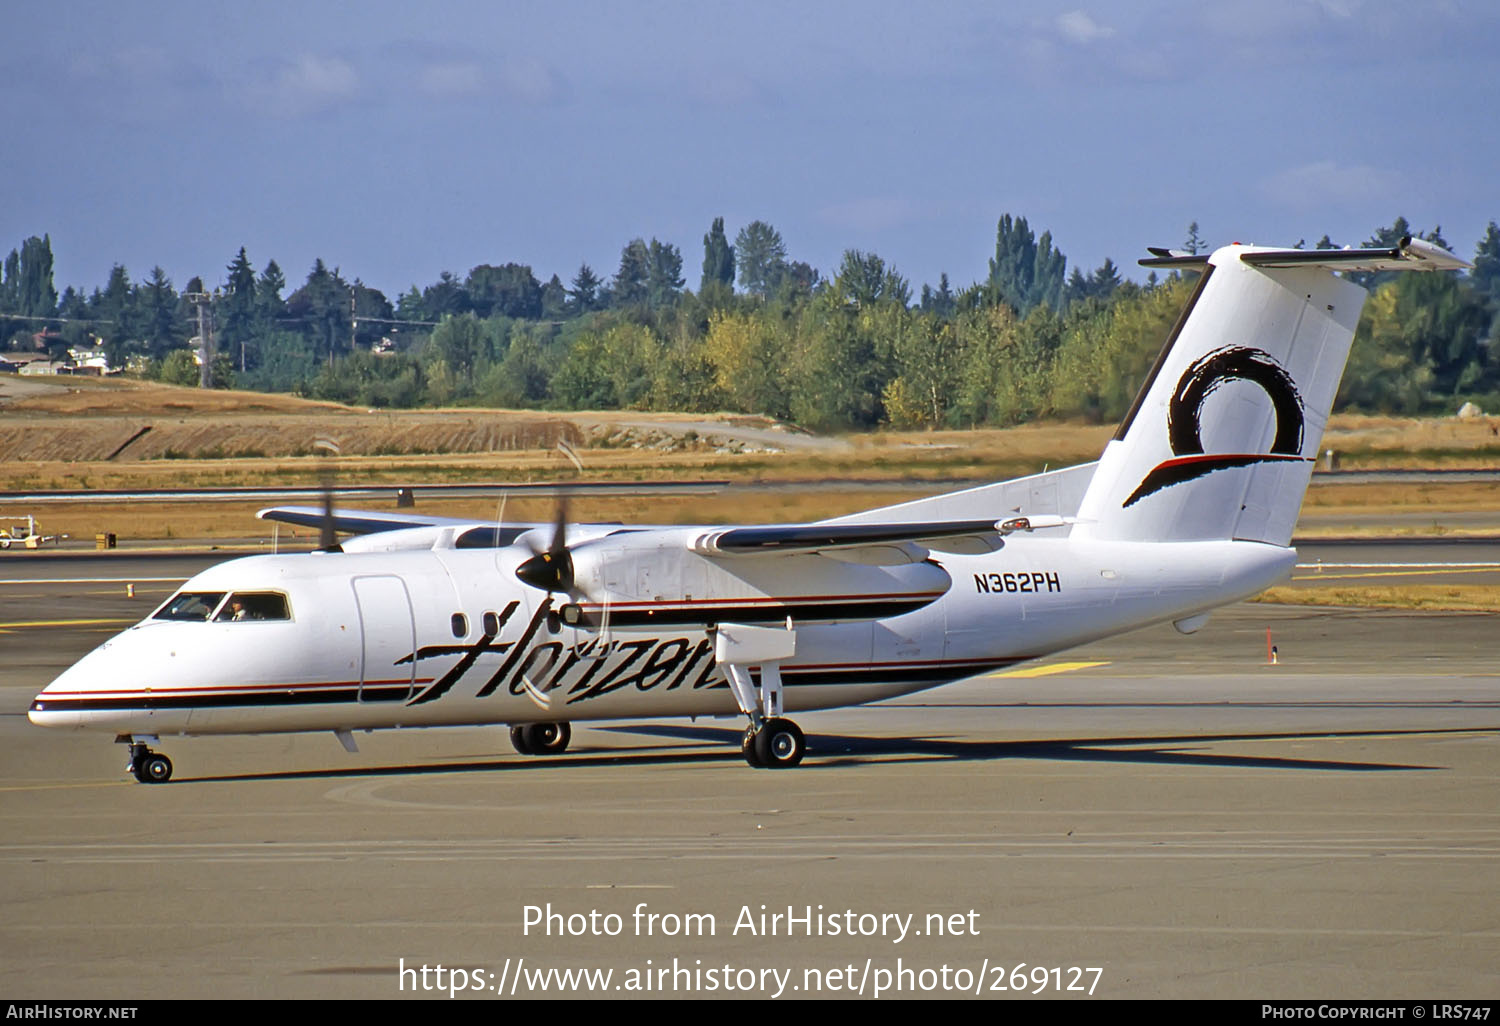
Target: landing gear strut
{"points": [[145, 765], [541, 738], [770, 742]]}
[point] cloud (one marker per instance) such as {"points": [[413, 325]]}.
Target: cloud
{"points": [[1078, 27], [531, 80], [309, 84], [451, 78], [1327, 183]]}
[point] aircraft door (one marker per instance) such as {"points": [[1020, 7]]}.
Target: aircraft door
{"points": [[388, 635]]}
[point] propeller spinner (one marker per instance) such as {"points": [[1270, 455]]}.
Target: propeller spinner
{"points": [[551, 570]]}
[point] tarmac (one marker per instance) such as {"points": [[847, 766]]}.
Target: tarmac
{"points": [[1153, 816]]}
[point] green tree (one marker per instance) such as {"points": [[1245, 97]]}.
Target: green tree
{"points": [[10, 297], [510, 290], [161, 331], [749, 355], [458, 342], [761, 257], [664, 278], [1486, 273], [1382, 374], [928, 360], [445, 297], [1026, 272], [630, 283], [1194, 242], [1107, 348], [180, 368], [409, 306], [522, 378], [287, 364], [236, 312], [554, 300], [37, 295], [842, 364], [585, 290], [938, 301], [718, 259], [322, 307], [610, 369], [115, 312], [863, 279], [372, 311]]}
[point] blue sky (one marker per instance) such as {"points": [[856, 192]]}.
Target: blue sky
{"points": [[399, 140]]}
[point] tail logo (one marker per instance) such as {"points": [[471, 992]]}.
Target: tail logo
{"points": [[1184, 431]]}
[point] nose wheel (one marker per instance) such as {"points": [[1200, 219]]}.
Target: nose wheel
{"points": [[541, 738], [147, 766]]}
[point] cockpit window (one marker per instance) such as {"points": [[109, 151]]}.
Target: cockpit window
{"points": [[255, 605], [190, 605]]}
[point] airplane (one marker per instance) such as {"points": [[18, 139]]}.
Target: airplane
{"points": [[427, 621]]}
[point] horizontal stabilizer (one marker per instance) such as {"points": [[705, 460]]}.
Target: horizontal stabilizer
{"points": [[1407, 255]]}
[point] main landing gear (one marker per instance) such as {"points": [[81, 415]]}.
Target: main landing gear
{"points": [[145, 765], [770, 742], [541, 738], [775, 744]]}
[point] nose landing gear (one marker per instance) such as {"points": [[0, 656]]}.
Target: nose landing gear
{"points": [[145, 765], [541, 738]]}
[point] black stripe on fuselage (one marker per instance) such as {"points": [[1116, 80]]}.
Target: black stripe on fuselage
{"points": [[705, 615], [282, 698], [259, 700]]}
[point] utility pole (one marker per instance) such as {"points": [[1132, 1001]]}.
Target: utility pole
{"points": [[201, 301]]}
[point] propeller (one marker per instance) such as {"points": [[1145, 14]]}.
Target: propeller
{"points": [[328, 539], [551, 569]]}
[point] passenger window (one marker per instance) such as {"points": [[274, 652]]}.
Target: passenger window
{"points": [[460, 625], [189, 605], [491, 624], [255, 605]]}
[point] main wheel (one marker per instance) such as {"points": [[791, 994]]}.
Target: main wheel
{"points": [[779, 744], [520, 739], [548, 738], [747, 749], [155, 768]]}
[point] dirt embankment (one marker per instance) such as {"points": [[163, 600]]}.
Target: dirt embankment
{"points": [[87, 421]]}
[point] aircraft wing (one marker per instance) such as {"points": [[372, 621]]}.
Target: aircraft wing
{"points": [[785, 539], [356, 521]]}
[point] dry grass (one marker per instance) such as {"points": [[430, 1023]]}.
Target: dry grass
{"points": [[56, 436], [136, 521], [1425, 442], [1483, 598]]}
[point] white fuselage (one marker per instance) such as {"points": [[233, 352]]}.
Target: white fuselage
{"points": [[451, 637]]}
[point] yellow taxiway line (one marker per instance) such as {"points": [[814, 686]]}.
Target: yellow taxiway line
{"points": [[19, 624], [1046, 670]]}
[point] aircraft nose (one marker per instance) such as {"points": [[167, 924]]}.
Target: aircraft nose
{"points": [[41, 712], [51, 707]]}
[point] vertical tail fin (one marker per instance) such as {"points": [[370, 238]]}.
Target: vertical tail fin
{"points": [[1220, 444]]}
